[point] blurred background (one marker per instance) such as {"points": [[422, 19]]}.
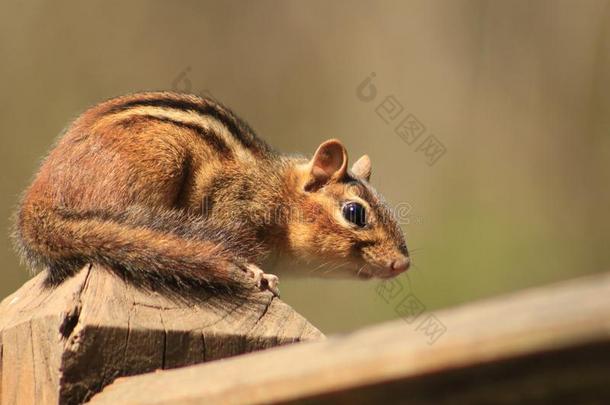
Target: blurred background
{"points": [[488, 122]]}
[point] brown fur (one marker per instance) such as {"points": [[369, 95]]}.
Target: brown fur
{"points": [[173, 188]]}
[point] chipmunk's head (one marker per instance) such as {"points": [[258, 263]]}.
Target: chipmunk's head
{"points": [[343, 224]]}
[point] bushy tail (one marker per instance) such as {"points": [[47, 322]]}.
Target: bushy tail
{"points": [[152, 247]]}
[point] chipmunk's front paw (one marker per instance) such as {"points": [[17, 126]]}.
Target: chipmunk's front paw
{"points": [[263, 280]]}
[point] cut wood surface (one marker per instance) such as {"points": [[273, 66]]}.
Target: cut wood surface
{"points": [[549, 344], [66, 343]]}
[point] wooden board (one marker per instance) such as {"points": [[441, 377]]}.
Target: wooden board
{"points": [[548, 344], [66, 343]]}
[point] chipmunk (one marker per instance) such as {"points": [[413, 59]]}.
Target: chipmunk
{"points": [[176, 188]]}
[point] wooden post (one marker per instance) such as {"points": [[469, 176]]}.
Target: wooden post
{"points": [[545, 345], [64, 344]]}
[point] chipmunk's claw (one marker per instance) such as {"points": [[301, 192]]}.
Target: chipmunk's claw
{"points": [[263, 280], [270, 282]]}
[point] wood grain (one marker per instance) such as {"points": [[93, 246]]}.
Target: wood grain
{"points": [[63, 344], [548, 344]]}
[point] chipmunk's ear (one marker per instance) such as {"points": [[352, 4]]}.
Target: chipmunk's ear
{"points": [[328, 163], [362, 168]]}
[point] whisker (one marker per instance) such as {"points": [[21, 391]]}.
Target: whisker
{"points": [[314, 269], [319, 267], [336, 267], [415, 266], [331, 269]]}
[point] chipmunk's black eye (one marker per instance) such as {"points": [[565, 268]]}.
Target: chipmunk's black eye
{"points": [[355, 213]]}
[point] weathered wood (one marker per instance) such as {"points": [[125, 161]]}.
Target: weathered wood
{"points": [[549, 344], [66, 343]]}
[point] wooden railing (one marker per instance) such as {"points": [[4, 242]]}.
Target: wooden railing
{"points": [[546, 344]]}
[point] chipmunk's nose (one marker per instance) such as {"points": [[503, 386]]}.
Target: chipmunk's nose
{"points": [[400, 265]]}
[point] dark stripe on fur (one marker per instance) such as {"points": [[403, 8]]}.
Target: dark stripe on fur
{"points": [[210, 137], [238, 128]]}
